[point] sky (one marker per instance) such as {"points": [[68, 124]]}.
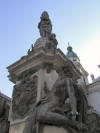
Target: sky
{"points": [[74, 21]]}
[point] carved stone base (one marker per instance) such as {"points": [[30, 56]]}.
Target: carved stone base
{"points": [[54, 129]]}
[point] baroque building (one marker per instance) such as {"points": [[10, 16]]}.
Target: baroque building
{"points": [[92, 89], [71, 55], [94, 94]]}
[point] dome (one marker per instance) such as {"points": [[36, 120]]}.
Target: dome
{"points": [[71, 53]]}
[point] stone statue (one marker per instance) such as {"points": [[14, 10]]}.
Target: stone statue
{"points": [[53, 40], [53, 110], [45, 25], [65, 106], [32, 47], [4, 112], [29, 51], [45, 28]]}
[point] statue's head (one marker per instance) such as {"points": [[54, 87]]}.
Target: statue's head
{"points": [[45, 15]]}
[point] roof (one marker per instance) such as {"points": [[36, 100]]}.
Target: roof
{"points": [[97, 79], [71, 53], [8, 99]]}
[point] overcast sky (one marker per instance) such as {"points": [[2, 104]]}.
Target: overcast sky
{"points": [[76, 21]]}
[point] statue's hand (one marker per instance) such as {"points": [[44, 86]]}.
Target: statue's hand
{"points": [[74, 114]]}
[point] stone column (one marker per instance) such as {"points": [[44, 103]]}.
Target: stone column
{"points": [[40, 83]]}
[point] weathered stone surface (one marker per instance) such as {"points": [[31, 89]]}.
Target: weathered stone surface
{"points": [[4, 112], [36, 60], [24, 97]]}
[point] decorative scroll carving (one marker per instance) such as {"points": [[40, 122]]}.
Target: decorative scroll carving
{"points": [[4, 112], [24, 96]]}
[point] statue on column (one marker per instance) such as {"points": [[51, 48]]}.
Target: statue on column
{"points": [[45, 26]]}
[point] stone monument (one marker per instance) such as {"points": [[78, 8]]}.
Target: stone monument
{"points": [[46, 97]]}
